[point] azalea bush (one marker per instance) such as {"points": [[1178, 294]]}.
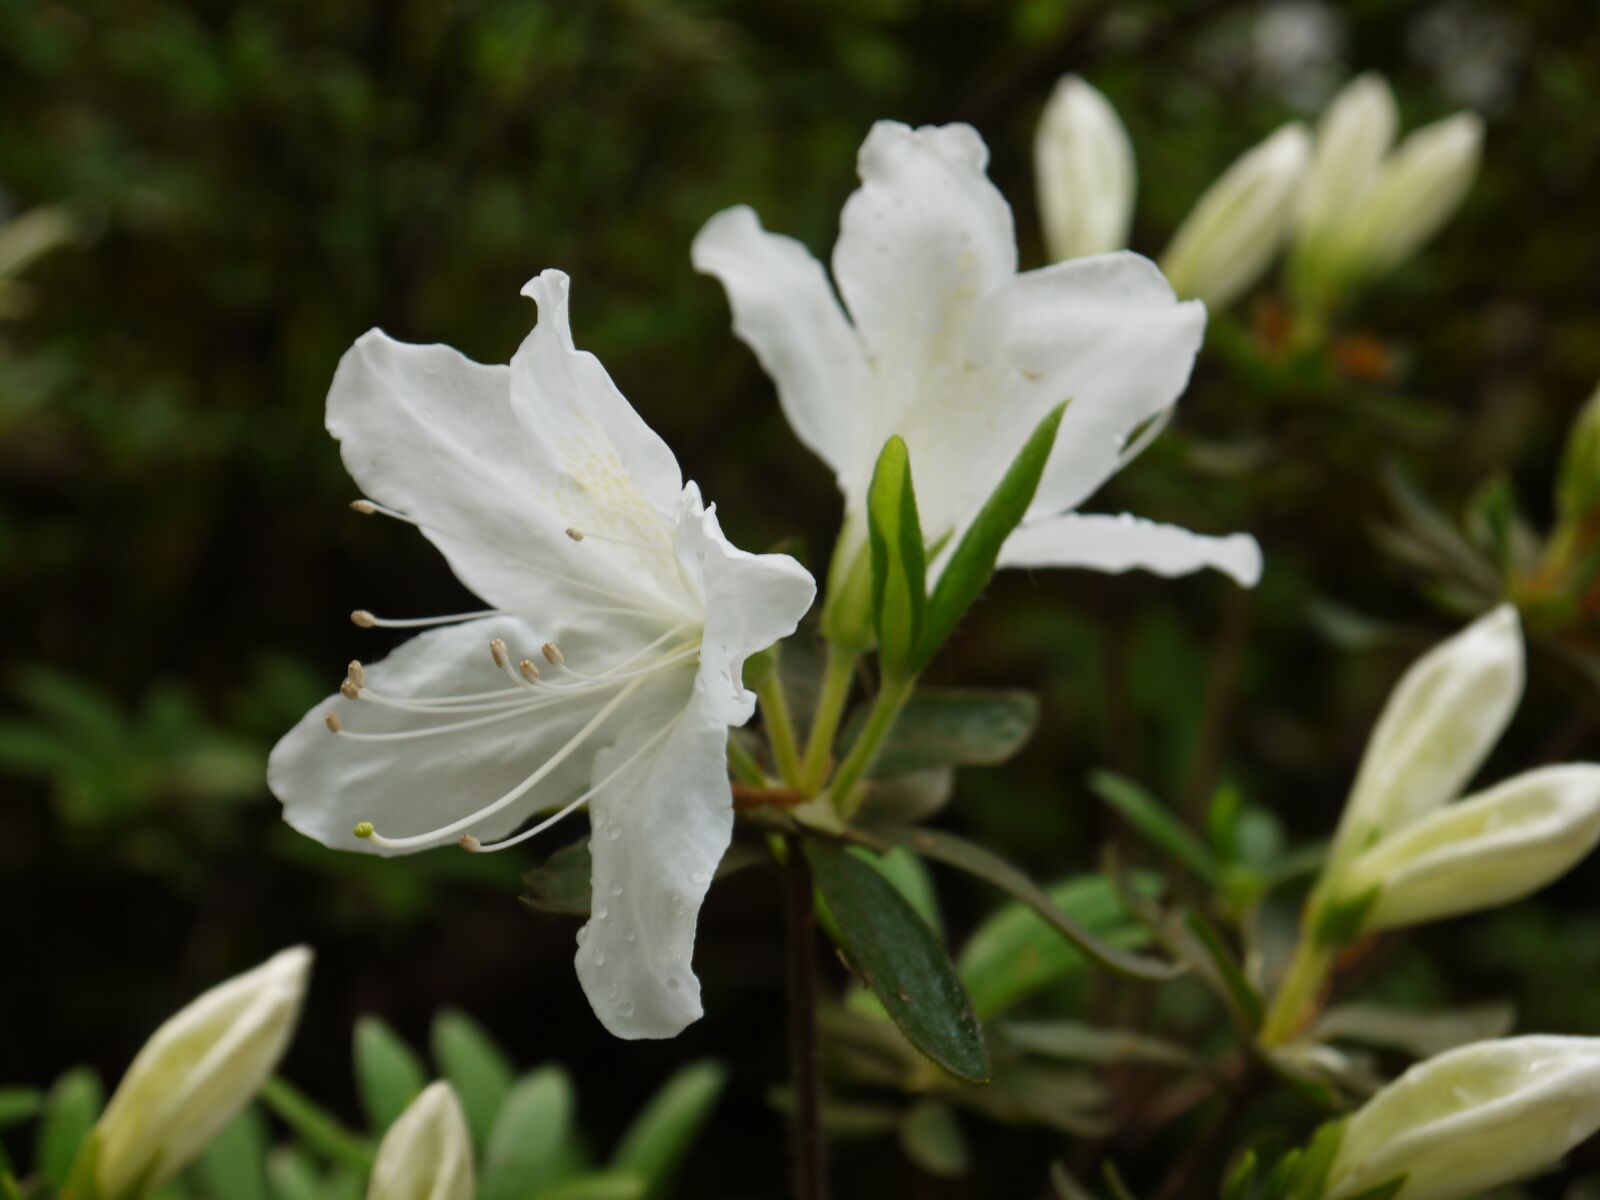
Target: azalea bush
{"points": [[1044, 648]]}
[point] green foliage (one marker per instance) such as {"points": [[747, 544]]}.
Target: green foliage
{"points": [[971, 563], [899, 569], [475, 1066], [952, 727], [654, 1146], [389, 1075], [70, 1110], [894, 953]]}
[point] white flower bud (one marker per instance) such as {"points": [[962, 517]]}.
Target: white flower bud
{"points": [[1440, 723], [195, 1073], [1472, 1119], [427, 1153], [1486, 850], [1417, 191], [1353, 137], [1086, 175], [1236, 229]]}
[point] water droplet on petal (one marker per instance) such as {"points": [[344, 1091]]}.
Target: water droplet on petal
{"points": [[616, 890], [613, 831], [583, 932], [672, 985]]}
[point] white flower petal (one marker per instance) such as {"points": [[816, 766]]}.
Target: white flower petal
{"points": [[659, 829], [1438, 726], [1084, 168], [784, 309], [1472, 1119], [1108, 335], [923, 240], [1121, 543], [427, 1152], [751, 601], [1485, 851], [329, 782]]}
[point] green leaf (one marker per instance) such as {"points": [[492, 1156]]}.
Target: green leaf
{"points": [[608, 1186], [530, 1145], [389, 1074], [70, 1111], [898, 957], [1156, 824], [475, 1067], [1386, 1190], [560, 884], [290, 1175], [660, 1137], [910, 877], [1238, 1183], [1216, 963], [932, 1138], [233, 1165], [1578, 479], [952, 727], [18, 1104], [1311, 1176], [1087, 1043], [319, 1129], [899, 568], [1420, 1034], [972, 562], [975, 860]]}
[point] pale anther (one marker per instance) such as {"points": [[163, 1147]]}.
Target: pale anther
{"points": [[365, 507], [331, 720], [350, 690], [363, 829], [469, 843], [552, 654], [357, 673], [498, 652], [529, 671], [363, 618], [575, 534]]}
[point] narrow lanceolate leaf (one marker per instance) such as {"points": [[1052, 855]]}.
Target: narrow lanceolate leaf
{"points": [[561, 883], [70, 1111], [661, 1136], [972, 562], [899, 569], [1077, 1042], [932, 1138], [896, 955], [476, 1068], [234, 1165], [990, 867], [1157, 824], [952, 727], [389, 1075], [530, 1142], [18, 1104]]}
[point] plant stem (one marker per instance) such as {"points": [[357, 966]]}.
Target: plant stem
{"points": [[780, 727], [807, 1149], [891, 699], [1298, 992], [318, 1129], [836, 679], [743, 766]]}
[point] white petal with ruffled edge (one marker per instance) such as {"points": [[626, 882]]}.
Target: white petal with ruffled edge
{"points": [[1115, 544], [784, 309]]}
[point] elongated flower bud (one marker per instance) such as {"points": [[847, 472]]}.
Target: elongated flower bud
{"points": [[1487, 850], [195, 1073], [1353, 137], [1441, 721], [1417, 191], [1086, 175], [427, 1153], [1472, 1119], [1236, 229]]}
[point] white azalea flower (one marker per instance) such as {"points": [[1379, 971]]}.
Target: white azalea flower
{"points": [[606, 673], [1237, 228], [1084, 168], [427, 1153], [195, 1073], [1403, 842], [949, 347], [1472, 1119]]}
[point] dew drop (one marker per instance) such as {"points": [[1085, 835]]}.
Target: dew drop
{"points": [[583, 932], [616, 890], [599, 958], [672, 985], [613, 831]]}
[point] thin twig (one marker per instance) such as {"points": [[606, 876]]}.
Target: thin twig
{"points": [[808, 1151]]}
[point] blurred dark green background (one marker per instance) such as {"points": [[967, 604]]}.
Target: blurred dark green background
{"points": [[254, 185]]}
